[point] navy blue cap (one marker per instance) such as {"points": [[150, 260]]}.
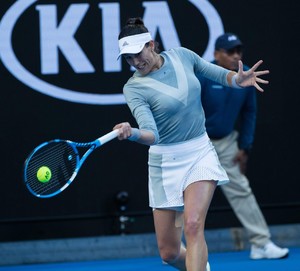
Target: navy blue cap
{"points": [[227, 41]]}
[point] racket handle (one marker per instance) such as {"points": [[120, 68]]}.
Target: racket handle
{"points": [[108, 137]]}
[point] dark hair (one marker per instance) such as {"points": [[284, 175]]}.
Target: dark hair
{"points": [[133, 26]]}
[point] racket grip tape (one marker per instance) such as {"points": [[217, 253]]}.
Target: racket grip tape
{"points": [[108, 137]]}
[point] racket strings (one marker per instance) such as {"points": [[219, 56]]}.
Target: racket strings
{"points": [[61, 158]]}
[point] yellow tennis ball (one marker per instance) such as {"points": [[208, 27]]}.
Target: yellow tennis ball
{"points": [[44, 174]]}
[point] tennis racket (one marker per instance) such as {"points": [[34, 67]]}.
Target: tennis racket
{"points": [[52, 166]]}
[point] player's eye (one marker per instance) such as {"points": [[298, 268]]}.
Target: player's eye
{"points": [[129, 57]]}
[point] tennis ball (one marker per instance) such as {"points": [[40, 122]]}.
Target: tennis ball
{"points": [[44, 174]]}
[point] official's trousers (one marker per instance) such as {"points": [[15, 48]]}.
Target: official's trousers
{"points": [[239, 193]]}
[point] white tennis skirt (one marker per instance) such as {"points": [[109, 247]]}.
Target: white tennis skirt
{"points": [[173, 167]]}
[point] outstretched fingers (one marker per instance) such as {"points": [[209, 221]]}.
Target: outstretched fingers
{"points": [[259, 80], [256, 65], [258, 73], [258, 87], [251, 77], [262, 81]]}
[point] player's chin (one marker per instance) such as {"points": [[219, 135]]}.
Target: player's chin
{"points": [[144, 72]]}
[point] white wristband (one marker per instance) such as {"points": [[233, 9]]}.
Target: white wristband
{"points": [[135, 134], [234, 83]]}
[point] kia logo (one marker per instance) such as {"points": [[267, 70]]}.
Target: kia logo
{"points": [[57, 40]]}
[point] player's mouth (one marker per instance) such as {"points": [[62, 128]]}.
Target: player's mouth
{"points": [[141, 67]]}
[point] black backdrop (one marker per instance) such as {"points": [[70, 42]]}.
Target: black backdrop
{"points": [[88, 207]]}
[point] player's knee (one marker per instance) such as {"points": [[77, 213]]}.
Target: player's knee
{"points": [[192, 228], [169, 256], [170, 250]]}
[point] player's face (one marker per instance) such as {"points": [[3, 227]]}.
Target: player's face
{"points": [[145, 61], [229, 58]]}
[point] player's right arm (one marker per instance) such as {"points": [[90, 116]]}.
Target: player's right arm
{"points": [[134, 134]]}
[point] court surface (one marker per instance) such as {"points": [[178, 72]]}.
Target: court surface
{"points": [[228, 261]]}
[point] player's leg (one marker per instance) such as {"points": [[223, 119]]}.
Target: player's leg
{"points": [[168, 228], [197, 198]]}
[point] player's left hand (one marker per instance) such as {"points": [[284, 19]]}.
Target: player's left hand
{"points": [[250, 77]]}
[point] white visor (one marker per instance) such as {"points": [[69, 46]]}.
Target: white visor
{"points": [[133, 44]]}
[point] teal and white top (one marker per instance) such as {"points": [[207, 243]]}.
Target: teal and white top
{"points": [[167, 102]]}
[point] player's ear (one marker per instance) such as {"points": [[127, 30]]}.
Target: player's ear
{"points": [[152, 45]]}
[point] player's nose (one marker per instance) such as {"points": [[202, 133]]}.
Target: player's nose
{"points": [[135, 61]]}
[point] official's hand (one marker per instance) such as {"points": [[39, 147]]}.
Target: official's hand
{"points": [[241, 158]]}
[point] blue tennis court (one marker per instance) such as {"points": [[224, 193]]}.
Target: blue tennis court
{"points": [[228, 261]]}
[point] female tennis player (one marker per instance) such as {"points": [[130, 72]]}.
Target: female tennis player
{"points": [[164, 97]]}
